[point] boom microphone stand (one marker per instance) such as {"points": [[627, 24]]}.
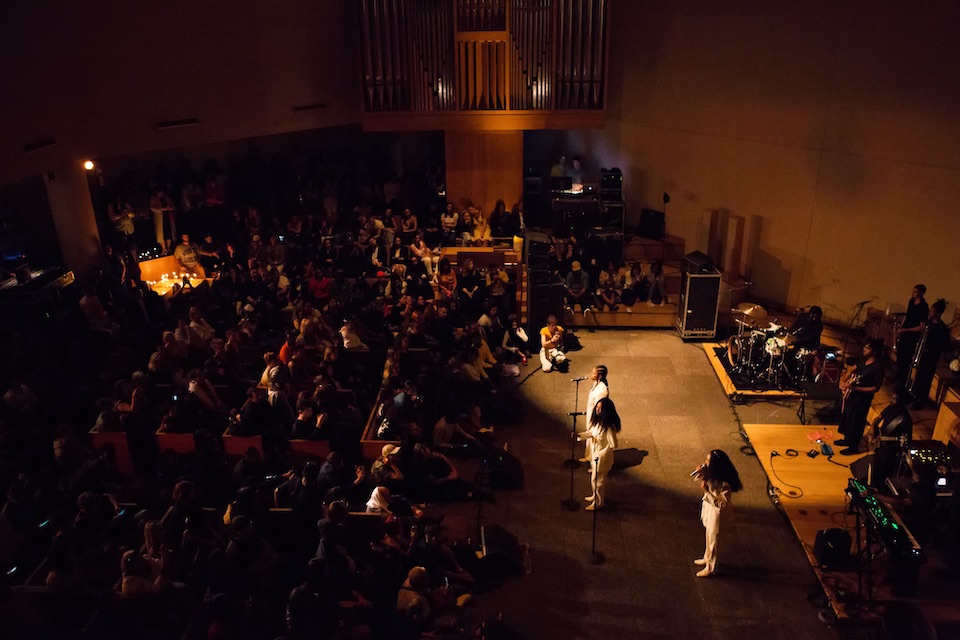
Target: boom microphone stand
{"points": [[852, 326], [573, 463]]}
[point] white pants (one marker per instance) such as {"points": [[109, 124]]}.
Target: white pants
{"points": [[428, 263], [548, 357], [598, 475], [710, 551]]}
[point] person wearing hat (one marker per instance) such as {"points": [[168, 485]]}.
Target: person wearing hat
{"points": [[577, 285], [385, 470]]}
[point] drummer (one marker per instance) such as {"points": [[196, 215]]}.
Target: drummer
{"points": [[806, 329]]}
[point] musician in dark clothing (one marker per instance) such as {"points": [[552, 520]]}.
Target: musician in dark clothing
{"points": [[934, 340], [892, 431], [909, 332], [806, 329], [858, 390]]}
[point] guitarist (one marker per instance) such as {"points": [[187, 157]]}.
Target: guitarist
{"points": [[892, 431], [858, 390]]}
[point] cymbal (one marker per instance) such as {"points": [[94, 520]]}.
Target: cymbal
{"points": [[752, 310]]}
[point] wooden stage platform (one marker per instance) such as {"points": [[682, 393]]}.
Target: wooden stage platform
{"points": [[731, 389], [811, 495]]}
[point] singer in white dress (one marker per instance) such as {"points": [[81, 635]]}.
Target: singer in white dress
{"points": [[600, 389], [602, 429], [718, 479]]}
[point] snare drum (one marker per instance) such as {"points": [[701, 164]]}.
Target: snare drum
{"points": [[774, 346]]}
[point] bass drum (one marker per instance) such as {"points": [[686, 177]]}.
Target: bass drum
{"points": [[734, 349]]}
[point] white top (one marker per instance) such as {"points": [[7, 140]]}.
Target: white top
{"points": [[597, 391], [604, 440], [716, 499]]}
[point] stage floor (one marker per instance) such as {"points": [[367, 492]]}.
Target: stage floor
{"points": [[811, 496]]}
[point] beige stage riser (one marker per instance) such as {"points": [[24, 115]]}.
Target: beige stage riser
{"points": [[822, 505]]}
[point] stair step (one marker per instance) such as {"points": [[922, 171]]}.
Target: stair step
{"points": [[640, 315]]}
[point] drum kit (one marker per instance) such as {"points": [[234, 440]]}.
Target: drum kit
{"points": [[761, 353], [759, 348]]}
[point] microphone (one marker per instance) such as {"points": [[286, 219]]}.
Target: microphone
{"points": [[696, 472], [578, 379], [864, 302]]}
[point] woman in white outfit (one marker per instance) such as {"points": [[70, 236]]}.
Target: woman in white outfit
{"points": [[600, 389], [719, 479], [604, 425]]}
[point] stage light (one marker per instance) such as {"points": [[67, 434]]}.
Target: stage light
{"points": [[89, 165]]}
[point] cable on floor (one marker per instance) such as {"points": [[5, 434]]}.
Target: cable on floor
{"points": [[789, 453]]}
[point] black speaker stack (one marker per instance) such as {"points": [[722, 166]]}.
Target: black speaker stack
{"points": [[544, 289], [612, 211], [697, 307]]}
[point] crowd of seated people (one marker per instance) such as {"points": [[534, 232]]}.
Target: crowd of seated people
{"points": [[300, 338], [595, 280]]}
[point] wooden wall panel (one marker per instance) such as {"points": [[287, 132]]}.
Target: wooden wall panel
{"points": [[483, 166]]}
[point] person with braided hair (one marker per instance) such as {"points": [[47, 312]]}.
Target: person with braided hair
{"points": [[600, 389]]}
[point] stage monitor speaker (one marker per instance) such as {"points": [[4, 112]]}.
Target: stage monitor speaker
{"points": [[543, 300], [697, 262], [831, 548], [501, 550], [862, 469], [653, 224], [697, 307]]}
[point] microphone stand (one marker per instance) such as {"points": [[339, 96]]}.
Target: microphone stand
{"points": [[852, 327], [481, 475], [595, 556], [571, 504]]}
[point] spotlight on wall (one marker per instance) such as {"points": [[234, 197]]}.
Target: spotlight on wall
{"points": [[89, 165]]}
